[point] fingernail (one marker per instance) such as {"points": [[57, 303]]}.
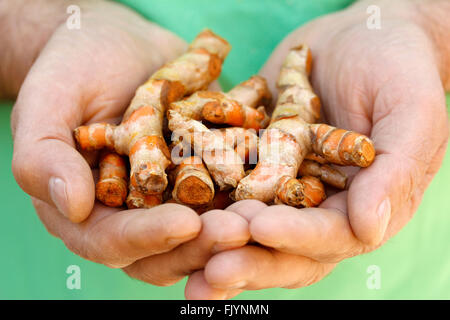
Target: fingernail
{"points": [[57, 190], [384, 215]]}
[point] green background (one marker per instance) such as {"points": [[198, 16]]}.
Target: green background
{"points": [[415, 264]]}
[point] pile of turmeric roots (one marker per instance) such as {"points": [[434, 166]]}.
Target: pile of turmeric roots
{"points": [[206, 149]]}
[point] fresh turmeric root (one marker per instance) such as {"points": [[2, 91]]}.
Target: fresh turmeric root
{"points": [[140, 133], [305, 192], [244, 142], [253, 92], [292, 135], [193, 184], [222, 161], [111, 188], [315, 157], [175, 98], [324, 172], [237, 107], [342, 147], [137, 199], [220, 158]]}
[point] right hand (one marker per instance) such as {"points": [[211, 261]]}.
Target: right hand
{"points": [[90, 75]]}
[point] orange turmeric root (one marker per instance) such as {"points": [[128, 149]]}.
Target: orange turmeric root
{"points": [[221, 201], [244, 142], [140, 133], [237, 107], [222, 161], [305, 192], [111, 188], [137, 199], [253, 92], [247, 149], [342, 147], [324, 172], [226, 111], [291, 135], [315, 157], [193, 184]]}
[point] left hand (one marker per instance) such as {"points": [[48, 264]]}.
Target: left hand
{"points": [[84, 76], [386, 84]]}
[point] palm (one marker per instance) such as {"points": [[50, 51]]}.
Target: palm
{"points": [[94, 71], [366, 80], [372, 83], [104, 62]]}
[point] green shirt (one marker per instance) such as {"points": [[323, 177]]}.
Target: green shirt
{"points": [[415, 264]]}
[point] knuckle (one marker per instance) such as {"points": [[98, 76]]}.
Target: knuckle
{"points": [[224, 226], [138, 271], [73, 240], [356, 249], [41, 207], [295, 285], [313, 272], [97, 253], [80, 248], [211, 215], [182, 220], [361, 248], [240, 207], [133, 238], [221, 217], [318, 272], [21, 168]]}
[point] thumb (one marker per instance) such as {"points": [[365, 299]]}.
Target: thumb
{"points": [[408, 131], [45, 163]]}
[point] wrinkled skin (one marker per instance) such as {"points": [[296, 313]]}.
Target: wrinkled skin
{"points": [[383, 83]]}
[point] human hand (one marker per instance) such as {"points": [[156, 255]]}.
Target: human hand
{"points": [[386, 84], [86, 76]]}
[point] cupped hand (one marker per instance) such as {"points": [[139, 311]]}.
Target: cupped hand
{"points": [[90, 75], [385, 83]]}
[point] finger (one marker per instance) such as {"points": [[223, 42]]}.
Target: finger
{"points": [[255, 268], [406, 138], [247, 209], [221, 230], [118, 238], [45, 162], [197, 288], [321, 234]]}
